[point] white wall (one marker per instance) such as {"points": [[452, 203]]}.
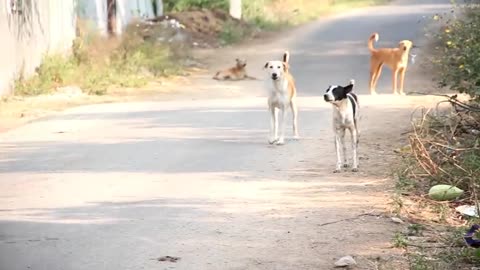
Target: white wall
{"points": [[37, 28], [127, 10], [94, 11]]}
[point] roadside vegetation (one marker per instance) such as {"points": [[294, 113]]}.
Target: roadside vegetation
{"points": [[98, 63], [444, 148], [268, 14]]}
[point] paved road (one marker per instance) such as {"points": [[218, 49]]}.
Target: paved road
{"points": [[114, 186]]}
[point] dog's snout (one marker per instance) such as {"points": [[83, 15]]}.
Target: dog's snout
{"points": [[326, 97], [274, 76]]}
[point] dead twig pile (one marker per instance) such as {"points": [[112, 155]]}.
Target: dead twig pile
{"points": [[446, 146]]}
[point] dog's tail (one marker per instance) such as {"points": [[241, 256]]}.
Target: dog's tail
{"points": [[286, 56], [352, 82], [373, 37]]}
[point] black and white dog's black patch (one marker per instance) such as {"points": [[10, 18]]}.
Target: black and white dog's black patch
{"points": [[345, 116]]}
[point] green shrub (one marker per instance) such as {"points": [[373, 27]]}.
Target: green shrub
{"points": [[233, 32], [55, 70], [458, 57], [180, 5], [98, 63]]}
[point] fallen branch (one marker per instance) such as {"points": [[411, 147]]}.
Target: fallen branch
{"points": [[350, 219]]}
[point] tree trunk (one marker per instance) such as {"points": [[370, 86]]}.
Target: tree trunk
{"points": [[111, 17], [236, 9]]}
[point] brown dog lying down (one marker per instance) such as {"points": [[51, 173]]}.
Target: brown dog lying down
{"points": [[238, 72], [395, 58]]}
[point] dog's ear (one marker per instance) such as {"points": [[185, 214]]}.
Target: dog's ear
{"points": [[285, 66], [266, 65], [347, 89]]}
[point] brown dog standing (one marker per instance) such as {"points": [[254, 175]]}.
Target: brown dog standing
{"points": [[395, 58]]}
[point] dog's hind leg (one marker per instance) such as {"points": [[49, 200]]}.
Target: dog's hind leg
{"points": [[354, 135], [293, 106], [375, 70], [378, 72], [339, 145]]}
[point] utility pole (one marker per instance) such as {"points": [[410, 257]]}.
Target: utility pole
{"points": [[236, 9]]}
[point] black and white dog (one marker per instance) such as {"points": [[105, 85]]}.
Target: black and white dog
{"points": [[345, 116]]}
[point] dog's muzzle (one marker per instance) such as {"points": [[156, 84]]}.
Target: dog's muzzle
{"points": [[274, 76], [327, 98]]}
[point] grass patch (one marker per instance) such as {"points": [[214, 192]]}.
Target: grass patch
{"points": [[99, 63], [233, 32], [399, 240]]}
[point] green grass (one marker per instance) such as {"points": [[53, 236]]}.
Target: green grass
{"points": [[97, 64], [233, 32], [399, 240], [419, 262]]}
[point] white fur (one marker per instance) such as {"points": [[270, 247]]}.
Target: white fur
{"points": [[278, 102], [344, 119]]}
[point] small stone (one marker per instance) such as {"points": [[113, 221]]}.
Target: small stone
{"points": [[345, 261], [397, 220]]}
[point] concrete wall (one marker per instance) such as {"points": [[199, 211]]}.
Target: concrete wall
{"points": [[29, 31], [95, 11], [127, 10]]}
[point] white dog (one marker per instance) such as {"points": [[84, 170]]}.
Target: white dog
{"points": [[282, 95], [345, 116]]}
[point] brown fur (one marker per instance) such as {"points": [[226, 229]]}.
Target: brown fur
{"points": [[282, 95], [238, 72], [292, 90], [394, 58]]}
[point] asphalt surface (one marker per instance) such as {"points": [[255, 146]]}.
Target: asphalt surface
{"points": [[115, 186]]}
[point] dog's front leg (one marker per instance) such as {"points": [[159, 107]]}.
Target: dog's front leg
{"points": [[281, 121], [354, 134], [273, 125], [394, 81], [402, 79], [338, 145]]}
